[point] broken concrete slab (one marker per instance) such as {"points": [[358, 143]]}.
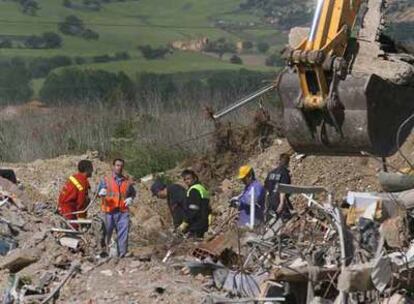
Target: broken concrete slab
{"points": [[222, 247], [356, 278], [19, 259], [381, 273], [366, 276], [395, 232], [70, 242]]}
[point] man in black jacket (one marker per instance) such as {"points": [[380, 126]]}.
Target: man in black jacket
{"points": [[279, 202], [198, 204], [176, 199]]}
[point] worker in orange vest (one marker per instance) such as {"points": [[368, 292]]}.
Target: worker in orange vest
{"points": [[118, 194], [74, 195]]}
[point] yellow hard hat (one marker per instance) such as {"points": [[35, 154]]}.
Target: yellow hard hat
{"points": [[244, 171]]}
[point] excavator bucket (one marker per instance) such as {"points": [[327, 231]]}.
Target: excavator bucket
{"points": [[368, 114]]}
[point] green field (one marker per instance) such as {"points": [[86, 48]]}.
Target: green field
{"points": [[123, 26]]}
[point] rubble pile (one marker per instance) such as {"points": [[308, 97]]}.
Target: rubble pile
{"points": [[345, 235], [39, 251]]}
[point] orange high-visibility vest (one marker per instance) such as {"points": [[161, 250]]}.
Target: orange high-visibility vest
{"points": [[115, 196]]}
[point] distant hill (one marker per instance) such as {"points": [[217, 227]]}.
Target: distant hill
{"points": [[112, 34], [123, 26]]}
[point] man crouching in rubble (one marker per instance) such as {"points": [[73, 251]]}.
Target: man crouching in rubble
{"points": [[251, 201], [74, 194], [117, 193], [198, 203], [176, 199]]}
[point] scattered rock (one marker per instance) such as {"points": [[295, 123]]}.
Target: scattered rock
{"points": [[107, 272], [19, 259]]}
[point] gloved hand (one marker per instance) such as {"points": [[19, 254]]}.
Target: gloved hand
{"points": [[183, 227], [128, 201], [210, 219], [234, 202], [102, 192]]}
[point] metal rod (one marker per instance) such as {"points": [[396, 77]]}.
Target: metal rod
{"points": [[65, 230], [5, 201], [80, 221], [73, 268], [243, 101]]}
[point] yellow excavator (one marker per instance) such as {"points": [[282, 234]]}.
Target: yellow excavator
{"points": [[342, 94]]}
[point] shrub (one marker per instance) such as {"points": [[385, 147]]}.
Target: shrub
{"points": [[92, 4], [74, 26], [101, 58], [84, 85], [247, 45], [90, 35], [67, 3], [59, 61], [80, 60], [263, 47], [29, 7], [151, 84], [236, 59], [122, 56], [14, 82], [51, 40], [220, 47], [34, 42], [48, 40], [274, 60], [6, 43], [153, 53], [40, 67]]}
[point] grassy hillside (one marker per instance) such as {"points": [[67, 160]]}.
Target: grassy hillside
{"points": [[123, 26]]}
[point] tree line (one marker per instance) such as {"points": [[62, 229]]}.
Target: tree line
{"points": [[75, 85]]}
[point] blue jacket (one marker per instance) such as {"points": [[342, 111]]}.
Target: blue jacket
{"points": [[245, 198]]}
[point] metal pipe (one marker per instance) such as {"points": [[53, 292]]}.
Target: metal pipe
{"points": [[75, 267], [3, 202], [243, 101], [80, 221], [65, 230], [316, 19]]}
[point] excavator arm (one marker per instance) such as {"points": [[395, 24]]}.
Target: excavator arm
{"points": [[320, 55], [342, 94]]}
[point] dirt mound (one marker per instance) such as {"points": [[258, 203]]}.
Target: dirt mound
{"points": [[44, 178]]}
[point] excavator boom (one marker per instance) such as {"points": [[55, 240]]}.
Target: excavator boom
{"points": [[326, 43], [330, 106], [342, 94]]}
